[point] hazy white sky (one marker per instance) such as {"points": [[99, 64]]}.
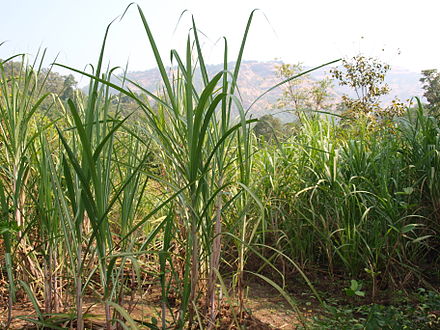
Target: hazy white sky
{"points": [[403, 33]]}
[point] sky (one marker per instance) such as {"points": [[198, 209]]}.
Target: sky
{"points": [[402, 33]]}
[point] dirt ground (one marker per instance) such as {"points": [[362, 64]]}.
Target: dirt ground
{"points": [[265, 307]]}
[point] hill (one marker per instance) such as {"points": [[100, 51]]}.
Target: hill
{"points": [[256, 77]]}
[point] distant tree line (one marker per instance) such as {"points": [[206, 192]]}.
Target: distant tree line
{"points": [[363, 75], [52, 82]]}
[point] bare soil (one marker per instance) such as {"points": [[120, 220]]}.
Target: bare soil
{"points": [[265, 309]]}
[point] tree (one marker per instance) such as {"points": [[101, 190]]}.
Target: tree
{"points": [[320, 94], [295, 93], [431, 86], [69, 86], [269, 128], [366, 76], [11, 68], [302, 93], [53, 81]]}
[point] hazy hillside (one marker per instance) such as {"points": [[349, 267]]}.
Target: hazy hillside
{"points": [[257, 77]]}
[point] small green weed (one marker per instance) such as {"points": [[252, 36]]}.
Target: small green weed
{"points": [[354, 289], [423, 314]]}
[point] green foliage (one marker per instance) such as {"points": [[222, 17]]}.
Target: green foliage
{"points": [[269, 128], [69, 85], [320, 95], [339, 199], [83, 206], [47, 81], [302, 93], [354, 289], [421, 314], [295, 93], [431, 84], [366, 76]]}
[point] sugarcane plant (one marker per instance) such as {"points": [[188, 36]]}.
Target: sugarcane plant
{"points": [[21, 97]]}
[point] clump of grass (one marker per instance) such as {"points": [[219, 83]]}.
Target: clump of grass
{"points": [[343, 202], [21, 96], [196, 135]]}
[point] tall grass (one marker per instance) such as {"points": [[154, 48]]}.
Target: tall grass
{"points": [[195, 141], [20, 97], [180, 194], [342, 201]]}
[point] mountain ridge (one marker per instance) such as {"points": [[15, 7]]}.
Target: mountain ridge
{"points": [[256, 77]]}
